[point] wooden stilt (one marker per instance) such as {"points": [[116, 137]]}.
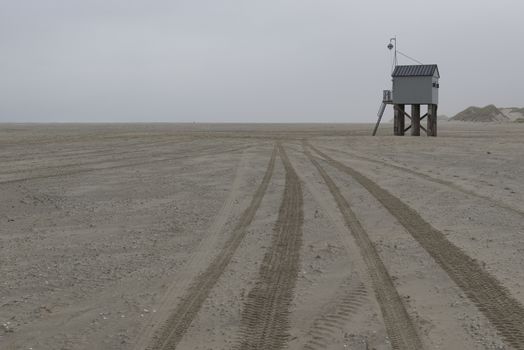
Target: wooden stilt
{"points": [[400, 116], [396, 117], [415, 120], [402, 123], [399, 120], [432, 120], [435, 120]]}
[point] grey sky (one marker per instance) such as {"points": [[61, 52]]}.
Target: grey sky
{"points": [[247, 61]]}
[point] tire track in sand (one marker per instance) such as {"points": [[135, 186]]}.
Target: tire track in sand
{"points": [[265, 322], [352, 295], [198, 260], [429, 178], [399, 326], [484, 290], [210, 151], [172, 331]]}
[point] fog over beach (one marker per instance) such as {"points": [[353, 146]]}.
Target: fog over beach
{"points": [[255, 61]]}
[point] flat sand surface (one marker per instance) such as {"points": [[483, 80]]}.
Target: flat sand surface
{"points": [[194, 236]]}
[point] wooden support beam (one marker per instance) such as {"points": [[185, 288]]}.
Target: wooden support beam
{"points": [[399, 120], [402, 124], [421, 128], [415, 120], [432, 120], [396, 125], [396, 120], [403, 111]]}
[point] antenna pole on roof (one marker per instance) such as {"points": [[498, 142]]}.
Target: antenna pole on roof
{"points": [[386, 98], [393, 46]]}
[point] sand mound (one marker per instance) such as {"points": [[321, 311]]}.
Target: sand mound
{"points": [[513, 113], [489, 113]]}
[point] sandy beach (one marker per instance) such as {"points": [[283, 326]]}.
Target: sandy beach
{"points": [[252, 236]]}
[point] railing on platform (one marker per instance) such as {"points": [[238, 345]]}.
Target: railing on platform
{"points": [[387, 96]]}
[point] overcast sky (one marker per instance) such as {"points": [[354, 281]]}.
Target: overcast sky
{"points": [[247, 60]]}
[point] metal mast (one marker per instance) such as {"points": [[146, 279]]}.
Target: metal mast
{"points": [[390, 47]]}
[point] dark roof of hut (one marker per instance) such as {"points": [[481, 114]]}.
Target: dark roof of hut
{"points": [[419, 70]]}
